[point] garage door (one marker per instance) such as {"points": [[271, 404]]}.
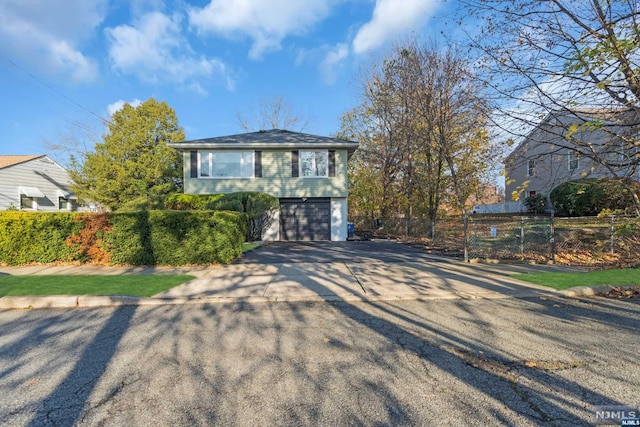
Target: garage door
{"points": [[305, 219]]}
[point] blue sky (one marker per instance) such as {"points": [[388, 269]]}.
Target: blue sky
{"points": [[64, 64]]}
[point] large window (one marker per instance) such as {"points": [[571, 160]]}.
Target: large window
{"points": [[573, 160], [531, 168], [314, 163], [226, 164]]}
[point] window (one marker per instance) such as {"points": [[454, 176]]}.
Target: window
{"points": [[63, 204], [531, 168], [573, 160], [531, 193], [27, 202], [314, 163], [226, 164]]}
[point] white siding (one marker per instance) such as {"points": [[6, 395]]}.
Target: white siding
{"points": [[44, 174], [339, 219], [272, 231]]}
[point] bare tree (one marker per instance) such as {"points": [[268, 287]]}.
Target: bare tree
{"points": [[562, 58], [272, 113]]}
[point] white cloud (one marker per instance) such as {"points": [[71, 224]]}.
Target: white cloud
{"points": [[117, 106], [267, 23], [390, 19], [45, 35], [332, 60], [153, 49]]}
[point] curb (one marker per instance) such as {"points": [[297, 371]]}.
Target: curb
{"points": [[96, 301]]}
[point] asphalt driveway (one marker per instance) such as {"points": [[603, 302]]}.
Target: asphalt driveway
{"points": [[352, 271]]}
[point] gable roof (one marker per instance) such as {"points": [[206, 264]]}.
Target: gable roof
{"points": [[10, 160], [274, 138], [617, 117]]}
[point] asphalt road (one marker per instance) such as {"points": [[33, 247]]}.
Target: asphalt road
{"points": [[539, 361]]}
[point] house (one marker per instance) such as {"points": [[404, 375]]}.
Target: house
{"points": [[35, 183], [307, 173], [562, 148]]}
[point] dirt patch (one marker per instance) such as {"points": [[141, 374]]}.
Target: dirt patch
{"points": [[620, 292]]}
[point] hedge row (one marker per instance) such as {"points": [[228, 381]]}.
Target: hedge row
{"points": [[27, 237], [133, 238], [258, 207]]}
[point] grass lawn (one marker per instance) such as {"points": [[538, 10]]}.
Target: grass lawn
{"points": [[141, 285], [249, 246], [559, 281]]}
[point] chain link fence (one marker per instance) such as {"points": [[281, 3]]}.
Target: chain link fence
{"points": [[613, 240]]}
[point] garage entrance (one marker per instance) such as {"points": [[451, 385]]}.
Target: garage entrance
{"points": [[305, 219]]}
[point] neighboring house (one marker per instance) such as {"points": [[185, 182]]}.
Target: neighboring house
{"points": [[307, 173], [545, 158], [35, 183]]}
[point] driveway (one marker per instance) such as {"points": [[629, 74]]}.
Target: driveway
{"points": [[352, 271]]}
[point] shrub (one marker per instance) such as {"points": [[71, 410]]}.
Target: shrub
{"points": [[258, 207], [536, 204], [588, 197], [38, 237], [175, 237], [190, 202]]}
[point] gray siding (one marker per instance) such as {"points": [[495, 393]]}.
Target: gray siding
{"points": [[42, 173], [545, 147], [276, 179]]}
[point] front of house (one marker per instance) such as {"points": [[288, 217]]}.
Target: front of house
{"points": [[307, 173]]}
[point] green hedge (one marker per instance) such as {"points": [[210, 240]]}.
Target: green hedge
{"points": [[257, 206], [175, 237], [38, 237], [587, 197], [136, 238]]}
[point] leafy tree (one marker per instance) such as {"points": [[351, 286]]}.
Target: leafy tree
{"points": [[421, 128], [134, 160], [564, 59]]}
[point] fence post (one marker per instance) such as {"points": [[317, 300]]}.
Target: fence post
{"points": [[521, 236], [611, 230], [552, 239]]}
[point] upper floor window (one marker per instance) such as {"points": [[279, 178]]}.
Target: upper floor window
{"points": [[573, 160], [226, 164], [314, 163], [531, 168]]}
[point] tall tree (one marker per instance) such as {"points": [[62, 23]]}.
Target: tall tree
{"points": [[272, 113], [564, 58], [421, 129], [133, 161]]}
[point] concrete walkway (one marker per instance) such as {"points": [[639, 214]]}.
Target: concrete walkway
{"points": [[330, 271]]}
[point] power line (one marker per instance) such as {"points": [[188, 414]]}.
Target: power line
{"points": [[57, 92]]}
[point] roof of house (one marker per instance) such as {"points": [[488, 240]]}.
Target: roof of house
{"points": [[611, 117], [274, 138], [10, 160]]}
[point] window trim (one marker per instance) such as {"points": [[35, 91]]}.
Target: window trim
{"points": [[211, 153], [300, 153]]}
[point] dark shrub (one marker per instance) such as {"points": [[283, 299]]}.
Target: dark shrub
{"points": [[588, 197]]}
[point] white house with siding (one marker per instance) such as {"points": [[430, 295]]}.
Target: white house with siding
{"points": [[307, 173], [35, 183]]}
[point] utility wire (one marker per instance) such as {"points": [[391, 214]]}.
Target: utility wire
{"points": [[57, 92]]}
